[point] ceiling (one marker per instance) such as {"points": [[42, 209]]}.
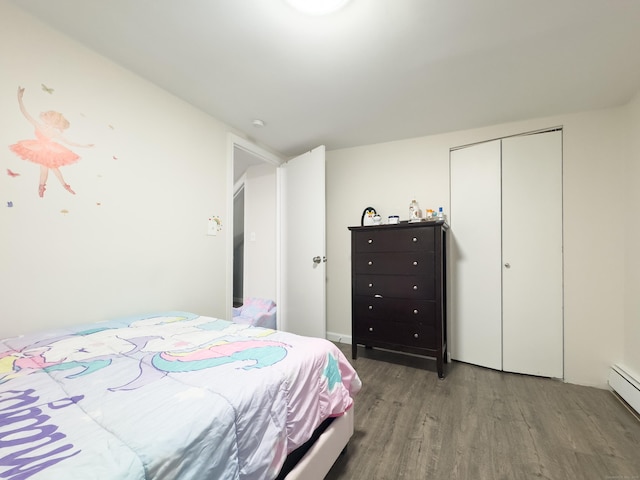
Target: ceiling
{"points": [[377, 71]]}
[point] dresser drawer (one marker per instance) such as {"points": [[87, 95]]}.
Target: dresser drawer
{"points": [[377, 331], [394, 310], [396, 286], [395, 240], [396, 263]]}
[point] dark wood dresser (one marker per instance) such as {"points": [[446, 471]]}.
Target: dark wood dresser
{"points": [[398, 288]]}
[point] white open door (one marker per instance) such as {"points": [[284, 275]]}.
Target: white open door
{"points": [[301, 303]]}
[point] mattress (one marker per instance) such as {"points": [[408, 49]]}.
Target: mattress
{"points": [[164, 396]]}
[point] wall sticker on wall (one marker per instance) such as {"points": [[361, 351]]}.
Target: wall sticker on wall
{"points": [[12, 174], [47, 89], [46, 149]]}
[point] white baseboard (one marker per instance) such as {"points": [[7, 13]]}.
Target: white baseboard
{"points": [[625, 384], [339, 338]]}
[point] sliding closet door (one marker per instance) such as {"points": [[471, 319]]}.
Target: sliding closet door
{"points": [[475, 331], [532, 330], [506, 254]]}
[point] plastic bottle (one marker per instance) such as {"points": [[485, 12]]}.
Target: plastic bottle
{"points": [[440, 214]]}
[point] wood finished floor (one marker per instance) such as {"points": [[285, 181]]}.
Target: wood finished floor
{"points": [[482, 424]]}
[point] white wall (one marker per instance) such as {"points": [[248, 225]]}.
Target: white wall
{"points": [[632, 247], [260, 232], [133, 238], [387, 176]]}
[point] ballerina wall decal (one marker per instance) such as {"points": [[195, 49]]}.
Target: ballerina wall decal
{"points": [[46, 149]]}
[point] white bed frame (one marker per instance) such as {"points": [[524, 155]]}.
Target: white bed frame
{"points": [[322, 455]]}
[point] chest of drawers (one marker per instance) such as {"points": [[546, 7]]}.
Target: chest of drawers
{"points": [[398, 288]]}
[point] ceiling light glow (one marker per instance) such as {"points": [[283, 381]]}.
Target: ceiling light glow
{"points": [[317, 7]]}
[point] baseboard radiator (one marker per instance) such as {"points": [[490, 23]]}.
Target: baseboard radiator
{"points": [[626, 386]]}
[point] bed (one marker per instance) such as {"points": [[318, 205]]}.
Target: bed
{"points": [[171, 396]]}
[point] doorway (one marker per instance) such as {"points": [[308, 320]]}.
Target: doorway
{"points": [[251, 235], [238, 243]]}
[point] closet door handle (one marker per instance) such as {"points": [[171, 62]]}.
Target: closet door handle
{"points": [[507, 265]]}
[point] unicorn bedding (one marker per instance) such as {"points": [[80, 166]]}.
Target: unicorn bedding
{"points": [[166, 396]]}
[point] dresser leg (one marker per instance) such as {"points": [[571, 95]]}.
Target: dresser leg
{"points": [[440, 366], [354, 351]]}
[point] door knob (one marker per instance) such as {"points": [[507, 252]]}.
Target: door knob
{"points": [[507, 265], [317, 259]]}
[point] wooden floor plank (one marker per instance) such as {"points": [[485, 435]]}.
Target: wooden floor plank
{"points": [[482, 424]]}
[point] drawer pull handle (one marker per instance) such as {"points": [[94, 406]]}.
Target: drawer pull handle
{"points": [[415, 264], [370, 262], [415, 335], [415, 239], [415, 287], [370, 307], [370, 285], [378, 296], [370, 240], [371, 329], [415, 312]]}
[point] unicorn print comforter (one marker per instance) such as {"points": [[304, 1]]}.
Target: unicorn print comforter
{"points": [[166, 396]]}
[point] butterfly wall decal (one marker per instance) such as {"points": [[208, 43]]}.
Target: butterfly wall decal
{"points": [[12, 174], [47, 89]]}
